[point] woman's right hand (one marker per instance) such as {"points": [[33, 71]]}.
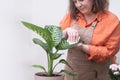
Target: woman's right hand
{"points": [[72, 35]]}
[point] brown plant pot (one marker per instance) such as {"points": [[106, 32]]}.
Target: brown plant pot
{"points": [[42, 76]]}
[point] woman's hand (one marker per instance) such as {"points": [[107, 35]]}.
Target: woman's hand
{"points": [[73, 35], [83, 47]]}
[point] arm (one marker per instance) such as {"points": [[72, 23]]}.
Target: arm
{"points": [[106, 43], [104, 52]]}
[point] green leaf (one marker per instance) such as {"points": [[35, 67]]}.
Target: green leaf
{"points": [[52, 36], [42, 44], [68, 72], [55, 56], [40, 67], [112, 76], [56, 34], [64, 45], [63, 61], [45, 34]]}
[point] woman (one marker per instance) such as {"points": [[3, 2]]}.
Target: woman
{"points": [[91, 22]]}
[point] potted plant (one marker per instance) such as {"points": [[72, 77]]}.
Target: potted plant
{"points": [[114, 71], [53, 42]]}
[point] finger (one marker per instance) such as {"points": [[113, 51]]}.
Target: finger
{"points": [[70, 37], [76, 37]]}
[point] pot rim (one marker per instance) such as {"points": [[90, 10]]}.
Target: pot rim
{"points": [[43, 74]]}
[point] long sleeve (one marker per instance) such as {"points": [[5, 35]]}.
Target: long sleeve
{"points": [[105, 38], [108, 47], [65, 22]]}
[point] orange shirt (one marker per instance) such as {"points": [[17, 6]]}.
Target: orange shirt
{"points": [[106, 36]]}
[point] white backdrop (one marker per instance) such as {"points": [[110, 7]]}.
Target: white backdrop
{"points": [[17, 51]]}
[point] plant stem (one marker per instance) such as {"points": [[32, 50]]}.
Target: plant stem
{"points": [[50, 65]]}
